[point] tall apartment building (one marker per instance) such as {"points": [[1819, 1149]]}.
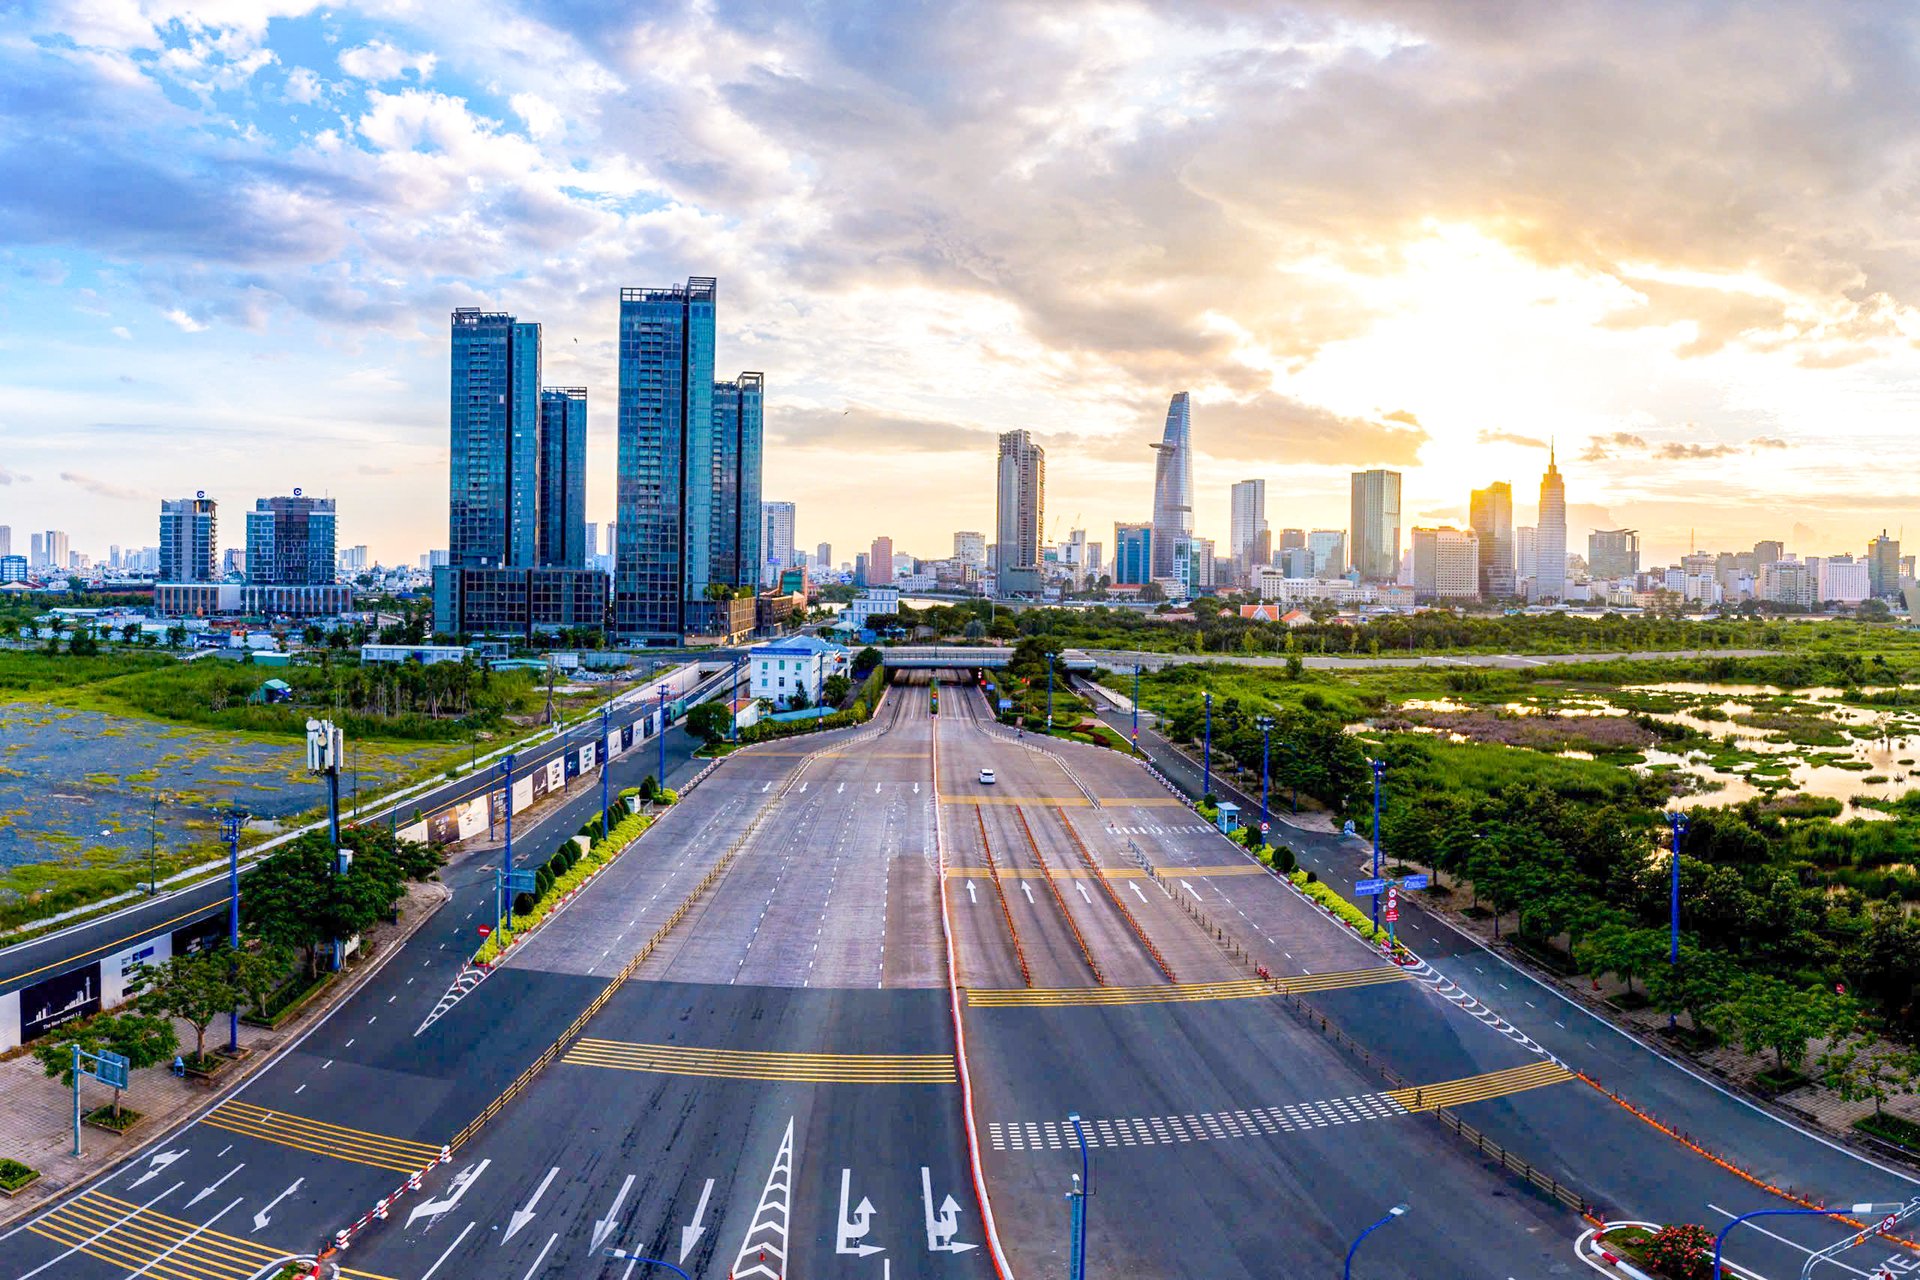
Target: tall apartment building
{"points": [[1374, 524], [1883, 565], [739, 526], [189, 539], [880, 562], [1446, 564], [824, 554], [58, 555], [970, 547], [776, 539], [1550, 571], [1172, 484], [1328, 547], [1491, 515], [1019, 512], [1247, 520], [1133, 553], [494, 438], [1613, 554], [291, 541], [561, 503]]}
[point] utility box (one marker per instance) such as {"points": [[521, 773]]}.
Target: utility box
{"points": [[1228, 819]]}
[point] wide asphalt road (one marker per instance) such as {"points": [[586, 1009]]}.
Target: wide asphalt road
{"points": [[1624, 1165], [24, 963]]}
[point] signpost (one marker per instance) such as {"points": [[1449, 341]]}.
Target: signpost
{"points": [[510, 882], [1368, 888], [110, 1069]]}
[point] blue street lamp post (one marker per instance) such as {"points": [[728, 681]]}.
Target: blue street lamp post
{"points": [[1346, 1271], [1265, 724], [1791, 1213], [663, 736], [606, 759], [1049, 693], [1678, 821], [1136, 708], [733, 696], [1077, 1204], [230, 823], [1379, 768], [506, 850], [1206, 766]]}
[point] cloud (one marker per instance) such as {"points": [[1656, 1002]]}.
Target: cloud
{"points": [[863, 429], [1404, 417], [184, 322], [377, 62], [307, 88], [123, 333], [1681, 451], [10, 476], [1600, 448], [103, 488], [1278, 429], [1509, 437]]}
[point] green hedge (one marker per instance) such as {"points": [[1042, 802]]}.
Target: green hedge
{"points": [[529, 910], [1342, 909]]}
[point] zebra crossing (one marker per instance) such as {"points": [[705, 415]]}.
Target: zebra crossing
{"points": [[1184, 829], [1203, 1126]]}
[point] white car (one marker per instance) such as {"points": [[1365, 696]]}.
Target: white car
{"points": [[986, 777]]}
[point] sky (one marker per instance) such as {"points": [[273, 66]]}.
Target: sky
{"points": [[1675, 240]]}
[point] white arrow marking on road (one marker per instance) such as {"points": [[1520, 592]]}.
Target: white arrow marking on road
{"points": [[260, 1218], [691, 1233], [943, 1226], [204, 1192], [160, 1161], [854, 1226], [521, 1217], [970, 897], [1190, 889], [455, 1189], [1083, 894], [603, 1227], [1137, 893], [916, 788], [1028, 890], [764, 787], [803, 786], [842, 787], [876, 788]]}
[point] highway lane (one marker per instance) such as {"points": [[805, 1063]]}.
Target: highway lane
{"points": [[1624, 1164], [362, 1098], [33, 960], [1221, 1119]]}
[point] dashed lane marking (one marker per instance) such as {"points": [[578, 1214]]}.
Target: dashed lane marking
{"points": [[285, 1129], [1241, 989], [740, 1064]]}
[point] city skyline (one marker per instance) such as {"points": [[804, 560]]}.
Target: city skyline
{"points": [[1693, 368]]}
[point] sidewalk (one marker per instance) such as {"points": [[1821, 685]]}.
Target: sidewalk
{"points": [[36, 1125]]}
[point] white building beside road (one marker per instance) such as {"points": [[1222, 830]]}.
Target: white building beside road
{"points": [[799, 663], [870, 603]]}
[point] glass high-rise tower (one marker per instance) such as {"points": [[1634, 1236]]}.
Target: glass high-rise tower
{"points": [[738, 414], [1550, 571], [1374, 525], [1490, 512], [562, 504], [493, 497], [1173, 484], [664, 477], [189, 540]]}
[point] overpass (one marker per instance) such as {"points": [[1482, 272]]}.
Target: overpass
{"points": [[939, 657]]}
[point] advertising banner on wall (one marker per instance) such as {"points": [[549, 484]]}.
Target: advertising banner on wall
{"points": [[118, 970], [63, 998]]}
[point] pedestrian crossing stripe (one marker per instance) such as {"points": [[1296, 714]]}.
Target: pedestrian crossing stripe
{"points": [[746, 1064], [285, 1129], [1110, 873], [126, 1235], [1177, 993], [1492, 1084], [1270, 1121]]}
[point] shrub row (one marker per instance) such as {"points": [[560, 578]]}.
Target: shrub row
{"points": [[560, 875]]}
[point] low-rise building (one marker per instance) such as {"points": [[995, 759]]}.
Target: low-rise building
{"points": [[799, 664], [873, 602], [425, 654]]}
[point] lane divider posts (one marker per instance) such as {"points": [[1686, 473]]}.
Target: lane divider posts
{"points": [[1000, 891], [1053, 887], [1095, 870]]}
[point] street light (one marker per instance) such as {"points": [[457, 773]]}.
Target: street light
{"points": [[1869, 1208], [1265, 725], [1136, 708], [1379, 768], [1678, 821], [506, 848], [662, 691], [1206, 767], [1049, 693], [1346, 1271], [230, 823], [153, 843], [1077, 1204]]}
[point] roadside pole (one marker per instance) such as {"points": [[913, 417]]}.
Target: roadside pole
{"points": [[662, 726], [230, 823], [1077, 1208], [1379, 768], [1678, 821], [1347, 1271], [1206, 767], [1049, 693], [506, 849], [325, 745], [606, 760], [1265, 724], [1136, 708]]}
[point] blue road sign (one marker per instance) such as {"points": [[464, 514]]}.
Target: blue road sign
{"points": [[522, 882], [1006, 704], [1367, 888], [112, 1071], [1413, 882]]}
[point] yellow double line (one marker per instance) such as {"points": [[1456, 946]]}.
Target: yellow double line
{"points": [[1492, 1084], [744, 1064], [1242, 989], [154, 1244], [317, 1136]]}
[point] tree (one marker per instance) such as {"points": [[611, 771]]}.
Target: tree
{"points": [[196, 988], [1865, 1069], [257, 970], [141, 1038], [798, 700], [709, 721], [1767, 1013], [1693, 986], [866, 660], [1623, 950], [836, 690], [295, 899]]}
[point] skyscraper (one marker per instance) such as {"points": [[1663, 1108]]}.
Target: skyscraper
{"points": [[1019, 511], [664, 475], [1491, 515], [1133, 553], [739, 525], [1526, 555], [562, 503], [1550, 574], [970, 547], [593, 539], [1247, 521], [1328, 547], [1374, 525], [1613, 554], [776, 539], [1173, 484], [493, 495], [189, 542], [1883, 565], [38, 550], [880, 562], [824, 554], [1446, 564], [290, 541]]}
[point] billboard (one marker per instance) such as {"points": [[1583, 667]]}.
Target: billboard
{"points": [[63, 998]]}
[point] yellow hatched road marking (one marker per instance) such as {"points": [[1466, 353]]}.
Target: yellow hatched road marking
{"points": [[1492, 1084], [155, 1244], [739, 1064], [1242, 989], [359, 1146]]}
